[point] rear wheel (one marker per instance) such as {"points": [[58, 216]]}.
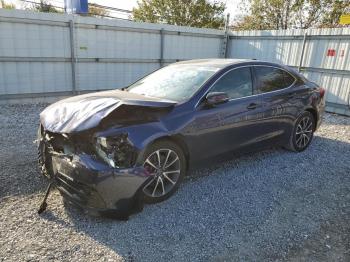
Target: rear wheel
{"points": [[303, 132], [166, 163]]}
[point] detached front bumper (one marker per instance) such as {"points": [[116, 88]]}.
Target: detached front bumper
{"points": [[98, 188]]}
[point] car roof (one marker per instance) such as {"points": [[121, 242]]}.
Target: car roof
{"points": [[217, 62], [222, 63]]}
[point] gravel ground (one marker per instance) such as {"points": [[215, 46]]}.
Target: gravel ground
{"points": [[272, 205]]}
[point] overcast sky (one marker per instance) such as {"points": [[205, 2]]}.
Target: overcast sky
{"points": [[232, 5]]}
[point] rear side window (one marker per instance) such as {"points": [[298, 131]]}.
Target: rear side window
{"points": [[272, 79], [236, 83]]}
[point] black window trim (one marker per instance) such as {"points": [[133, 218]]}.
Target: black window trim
{"points": [[254, 82]]}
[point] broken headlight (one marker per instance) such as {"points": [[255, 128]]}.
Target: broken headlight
{"points": [[116, 151]]}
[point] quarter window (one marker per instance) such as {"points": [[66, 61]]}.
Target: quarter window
{"points": [[236, 83], [272, 79]]}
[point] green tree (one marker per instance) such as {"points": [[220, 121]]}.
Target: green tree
{"points": [[196, 13], [285, 14], [44, 6], [337, 8], [97, 11], [4, 5]]}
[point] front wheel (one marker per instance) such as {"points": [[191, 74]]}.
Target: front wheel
{"points": [[166, 163], [302, 133]]}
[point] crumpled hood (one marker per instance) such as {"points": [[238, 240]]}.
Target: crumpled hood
{"points": [[83, 112]]}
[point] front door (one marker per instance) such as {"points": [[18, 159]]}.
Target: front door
{"points": [[231, 125]]}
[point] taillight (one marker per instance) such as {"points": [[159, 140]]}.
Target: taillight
{"points": [[322, 92]]}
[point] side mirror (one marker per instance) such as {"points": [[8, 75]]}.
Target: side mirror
{"points": [[216, 98]]}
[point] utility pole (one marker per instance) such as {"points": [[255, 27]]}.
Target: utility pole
{"points": [[226, 37]]}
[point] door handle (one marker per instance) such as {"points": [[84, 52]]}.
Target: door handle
{"points": [[252, 106]]}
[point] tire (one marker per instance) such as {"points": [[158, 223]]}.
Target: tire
{"points": [[302, 133], [167, 174]]}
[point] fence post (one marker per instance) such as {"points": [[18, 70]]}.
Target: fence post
{"points": [[226, 38], [73, 59], [161, 60], [302, 53]]}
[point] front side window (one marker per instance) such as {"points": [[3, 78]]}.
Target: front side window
{"points": [[272, 79], [235, 83], [178, 82]]}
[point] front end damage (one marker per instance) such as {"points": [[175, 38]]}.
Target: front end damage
{"points": [[86, 152], [87, 180]]}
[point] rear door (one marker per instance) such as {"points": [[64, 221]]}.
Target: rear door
{"points": [[275, 87]]}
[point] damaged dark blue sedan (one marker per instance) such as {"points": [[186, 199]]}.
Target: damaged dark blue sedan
{"points": [[111, 152]]}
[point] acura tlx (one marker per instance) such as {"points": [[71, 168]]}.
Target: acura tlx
{"points": [[110, 152]]}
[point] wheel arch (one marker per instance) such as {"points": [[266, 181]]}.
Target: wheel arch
{"points": [[179, 141], [314, 114]]}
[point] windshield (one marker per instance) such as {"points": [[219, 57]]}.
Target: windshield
{"points": [[177, 82]]}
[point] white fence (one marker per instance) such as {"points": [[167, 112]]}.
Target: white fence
{"points": [[53, 54], [322, 55], [49, 55]]}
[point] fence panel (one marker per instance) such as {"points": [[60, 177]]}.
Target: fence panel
{"points": [[324, 58], [58, 54], [49, 55]]}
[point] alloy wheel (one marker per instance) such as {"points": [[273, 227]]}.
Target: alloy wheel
{"points": [[303, 133], [164, 167]]}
